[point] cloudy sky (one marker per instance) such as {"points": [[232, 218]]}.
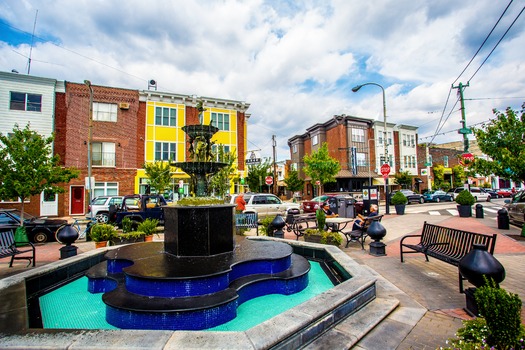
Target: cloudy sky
{"points": [[295, 62]]}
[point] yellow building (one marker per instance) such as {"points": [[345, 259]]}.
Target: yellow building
{"points": [[164, 139]]}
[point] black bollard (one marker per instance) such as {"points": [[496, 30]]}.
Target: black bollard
{"points": [[479, 211], [503, 219]]}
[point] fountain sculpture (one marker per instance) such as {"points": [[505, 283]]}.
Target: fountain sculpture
{"points": [[197, 277]]}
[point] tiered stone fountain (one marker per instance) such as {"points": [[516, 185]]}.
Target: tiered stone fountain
{"points": [[197, 278]]}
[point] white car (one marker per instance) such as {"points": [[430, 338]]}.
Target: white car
{"points": [[100, 207], [266, 204], [478, 193]]}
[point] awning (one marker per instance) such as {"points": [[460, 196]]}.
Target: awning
{"points": [[381, 181], [418, 180], [281, 183]]}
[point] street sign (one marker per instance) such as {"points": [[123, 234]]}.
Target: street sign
{"points": [[385, 169], [253, 160], [269, 180]]}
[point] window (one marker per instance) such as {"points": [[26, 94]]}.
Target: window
{"points": [[164, 151], [294, 148], [105, 112], [165, 116], [315, 140], [221, 120], [445, 161], [105, 189], [412, 141], [103, 153], [358, 135], [361, 159], [215, 151], [389, 138], [21, 101]]}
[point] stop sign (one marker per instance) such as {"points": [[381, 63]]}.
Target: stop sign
{"points": [[269, 180], [385, 169], [466, 158]]}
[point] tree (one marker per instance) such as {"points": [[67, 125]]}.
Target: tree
{"points": [[159, 175], [319, 166], [439, 176], [459, 176], [293, 181], [502, 139], [220, 182], [404, 179], [257, 174], [28, 167]]}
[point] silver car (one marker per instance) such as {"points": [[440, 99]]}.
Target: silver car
{"points": [[266, 204], [100, 207]]}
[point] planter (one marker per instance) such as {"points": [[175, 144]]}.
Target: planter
{"points": [[400, 209], [465, 211], [101, 244], [148, 238], [120, 241], [312, 238]]}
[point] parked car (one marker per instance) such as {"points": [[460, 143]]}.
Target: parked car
{"points": [[493, 193], [437, 196], [39, 229], [312, 205], [478, 193], [516, 208], [504, 193], [100, 207], [266, 204], [412, 196]]}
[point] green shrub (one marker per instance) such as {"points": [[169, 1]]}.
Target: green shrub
{"points": [[502, 312], [103, 232], [148, 226], [465, 198], [127, 224], [398, 198], [321, 218], [265, 223]]}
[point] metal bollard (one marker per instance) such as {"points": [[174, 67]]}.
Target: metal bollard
{"points": [[503, 219], [479, 211]]}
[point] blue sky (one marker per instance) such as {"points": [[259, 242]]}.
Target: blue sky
{"points": [[294, 62]]}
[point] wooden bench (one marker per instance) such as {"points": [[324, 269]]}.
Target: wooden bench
{"points": [[8, 248], [301, 223], [359, 235], [248, 220], [446, 244]]}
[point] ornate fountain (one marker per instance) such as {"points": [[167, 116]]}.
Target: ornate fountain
{"points": [[197, 278]]}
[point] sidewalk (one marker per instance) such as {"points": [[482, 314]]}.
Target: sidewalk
{"points": [[430, 286]]}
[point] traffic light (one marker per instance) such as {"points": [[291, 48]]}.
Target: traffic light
{"points": [[242, 180]]}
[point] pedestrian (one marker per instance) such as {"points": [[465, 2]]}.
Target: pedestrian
{"points": [[327, 212], [358, 224], [241, 203]]}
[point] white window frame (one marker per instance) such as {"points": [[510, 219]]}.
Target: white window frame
{"points": [[106, 155], [358, 135], [105, 112], [360, 159], [315, 140], [168, 149], [221, 121], [165, 116], [105, 189], [294, 148]]}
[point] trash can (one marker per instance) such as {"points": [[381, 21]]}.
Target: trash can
{"points": [[479, 211], [341, 207], [503, 219], [332, 202], [349, 207], [290, 215]]}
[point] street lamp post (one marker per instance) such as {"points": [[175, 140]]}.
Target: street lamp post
{"points": [[90, 139], [356, 89]]}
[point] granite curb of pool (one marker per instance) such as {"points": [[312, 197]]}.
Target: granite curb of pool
{"points": [[326, 313]]}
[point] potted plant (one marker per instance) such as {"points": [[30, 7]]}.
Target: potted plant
{"points": [[102, 233], [314, 235], [465, 201], [149, 227], [126, 238], [399, 200], [321, 219]]}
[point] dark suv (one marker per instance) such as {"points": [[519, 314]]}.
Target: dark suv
{"points": [[412, 196]]}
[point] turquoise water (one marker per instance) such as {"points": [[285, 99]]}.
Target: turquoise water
{"points": [[72, 306]]}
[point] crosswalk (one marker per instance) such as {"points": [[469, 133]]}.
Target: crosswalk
{"points": [[488, 212]]}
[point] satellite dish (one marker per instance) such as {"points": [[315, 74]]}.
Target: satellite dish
{"points": [[152, 84]]}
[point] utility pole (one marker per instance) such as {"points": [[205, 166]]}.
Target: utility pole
{"points": [[274, 144], [464, 130]]}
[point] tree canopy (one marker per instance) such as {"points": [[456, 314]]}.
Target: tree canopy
{"points": [[293, 181], [28, 166], [319, 166], [221, 181], [257, 174], [503, 140], [404, 179], [159, 175]]}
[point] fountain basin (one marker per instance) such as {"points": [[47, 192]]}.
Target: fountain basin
{"points": [[289, 330]]}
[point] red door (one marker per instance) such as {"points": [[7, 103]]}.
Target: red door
{"points": [[77, 200]]}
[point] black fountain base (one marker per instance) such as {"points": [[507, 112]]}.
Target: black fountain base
{"points": [[147, 288]]}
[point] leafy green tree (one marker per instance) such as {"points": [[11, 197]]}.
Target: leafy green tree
{"points": [[293, 181], [257, 174], [28, 166], [221, 181], [502, 140], [439, 176], [319, 166], [404, 179], [459, 176], [159, 175]]}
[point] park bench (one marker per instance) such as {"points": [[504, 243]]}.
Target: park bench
{"points": [[359, 234], [301, 223], [446, 244], [8, 248], [248, 220]]}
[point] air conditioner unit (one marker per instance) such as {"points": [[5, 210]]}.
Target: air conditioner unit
{"points": [[123, 105]]}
